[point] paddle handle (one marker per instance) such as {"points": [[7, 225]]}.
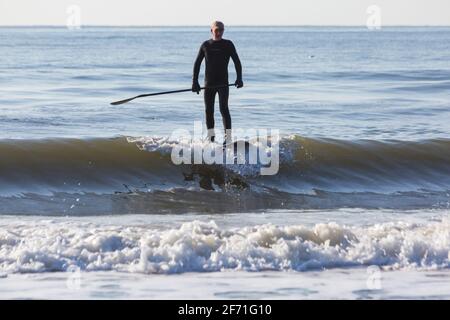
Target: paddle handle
{"points": [[167, 92]]}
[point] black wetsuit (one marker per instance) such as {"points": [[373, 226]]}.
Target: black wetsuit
{"points": [[217, 55]]}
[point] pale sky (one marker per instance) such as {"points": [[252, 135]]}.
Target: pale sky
{"points": [[232, 12]]}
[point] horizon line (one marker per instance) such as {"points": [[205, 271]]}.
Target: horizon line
{"points": [[230, 25]]}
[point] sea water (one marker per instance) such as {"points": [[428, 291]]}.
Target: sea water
{"points": [[91, 205]]}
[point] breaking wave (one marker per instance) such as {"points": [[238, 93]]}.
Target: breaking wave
{"points": [[312, 173], [204, 247]]}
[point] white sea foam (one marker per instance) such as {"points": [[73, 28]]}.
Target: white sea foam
{"points": [[287, 147], [204, 247]]}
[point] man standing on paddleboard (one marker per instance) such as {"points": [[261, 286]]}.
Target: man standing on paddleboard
{"points": [[217, 53]]}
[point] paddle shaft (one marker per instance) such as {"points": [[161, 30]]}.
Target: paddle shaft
{"points": [[166, 92]]}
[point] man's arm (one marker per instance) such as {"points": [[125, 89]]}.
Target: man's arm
{"points": [[237, 65], [198, 63]]}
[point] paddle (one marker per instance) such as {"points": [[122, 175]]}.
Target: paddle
{"points": [[166, 92]]}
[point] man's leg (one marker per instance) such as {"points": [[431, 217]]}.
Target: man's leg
{"points": [[209, 97], [225, 112]]}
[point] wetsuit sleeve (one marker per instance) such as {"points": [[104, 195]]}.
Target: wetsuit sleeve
{"points": [[198, 63], [236, 61]]}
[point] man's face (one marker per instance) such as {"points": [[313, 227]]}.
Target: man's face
{"points": [[217, 32]]}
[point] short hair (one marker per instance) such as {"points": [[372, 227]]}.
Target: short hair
{"points": [[218, 24]]}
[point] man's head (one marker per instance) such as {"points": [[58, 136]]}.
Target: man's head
{"points": [[217, 29]]}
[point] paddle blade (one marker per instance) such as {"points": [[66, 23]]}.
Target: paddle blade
{"points": [[121, 102]]}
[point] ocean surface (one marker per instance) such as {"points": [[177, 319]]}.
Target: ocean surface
{"points": [[92, 206]]}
